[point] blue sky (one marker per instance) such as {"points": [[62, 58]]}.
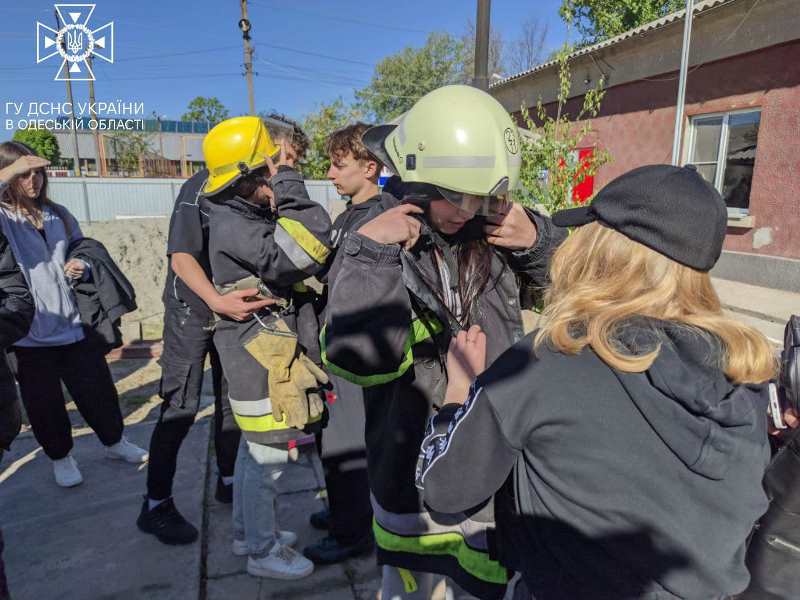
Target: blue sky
{"points": [[307, 51]]}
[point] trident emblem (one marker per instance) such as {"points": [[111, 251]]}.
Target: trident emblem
{"points": [[75, 42]]}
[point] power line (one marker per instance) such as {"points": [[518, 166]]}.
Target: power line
{"points": [[359, 22], [123, 79], [147, 57], [301, 77], [316, 54], [185, 53], [314, 72]]}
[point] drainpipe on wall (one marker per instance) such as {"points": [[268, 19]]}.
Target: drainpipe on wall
{"points": [[679, 108]]}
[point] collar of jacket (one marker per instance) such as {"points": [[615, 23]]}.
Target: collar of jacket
{"points": [[369, 203], [250, 210]]}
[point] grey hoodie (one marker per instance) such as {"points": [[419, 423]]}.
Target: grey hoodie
{"points": [[610, 485], [56, 321]]}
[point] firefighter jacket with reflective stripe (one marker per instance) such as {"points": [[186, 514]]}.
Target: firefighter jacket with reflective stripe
{"points": [[282, 250], [380, 336]]}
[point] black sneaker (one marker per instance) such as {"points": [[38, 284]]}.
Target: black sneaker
{"points": [[166, 523], [224, 492], [321, 520], [330, 551]]}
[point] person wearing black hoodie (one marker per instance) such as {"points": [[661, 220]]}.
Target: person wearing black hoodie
{"points": [[625, 442]]}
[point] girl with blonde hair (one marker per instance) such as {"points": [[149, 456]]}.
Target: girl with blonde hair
{"points": [[625, 441]]}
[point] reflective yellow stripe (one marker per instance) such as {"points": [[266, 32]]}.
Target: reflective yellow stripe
{"points": [[419, 332], [409, 583], [305, 239], [476, 563], [263, 423]]}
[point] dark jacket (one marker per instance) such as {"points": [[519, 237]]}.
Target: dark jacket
{"points": [[347, 222], [344, 434], [282, 250], [16, 315], [388, 340], [609, 485], [104, 296], [773, 554]]}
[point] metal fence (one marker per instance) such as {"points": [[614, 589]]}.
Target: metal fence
{"points": [[107, 199]]}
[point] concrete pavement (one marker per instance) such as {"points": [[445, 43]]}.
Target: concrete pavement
{"points": [[766, 309], [82, 542]]}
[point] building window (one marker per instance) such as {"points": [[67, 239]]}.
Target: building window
{"points": [[723, 147]]}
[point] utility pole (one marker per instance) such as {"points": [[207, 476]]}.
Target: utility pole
{"points": [[244, 25], [98, 142], [687, 42], [481, 80], [76, 160]]}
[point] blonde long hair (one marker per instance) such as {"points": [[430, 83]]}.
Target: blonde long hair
{"points": [[601, 279]]}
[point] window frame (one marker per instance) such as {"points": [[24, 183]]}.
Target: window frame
{"points": [[722, 150]]}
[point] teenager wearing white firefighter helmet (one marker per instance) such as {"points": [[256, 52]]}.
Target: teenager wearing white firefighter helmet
{"points": [[454, 252]]}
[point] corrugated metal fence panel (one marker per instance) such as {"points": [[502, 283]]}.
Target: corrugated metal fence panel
{"points": [[115, 198], [324, 193]]}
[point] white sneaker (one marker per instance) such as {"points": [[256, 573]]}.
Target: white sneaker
{"points": [[66, 472], [124, 450], [282, 562], [240, 547]]}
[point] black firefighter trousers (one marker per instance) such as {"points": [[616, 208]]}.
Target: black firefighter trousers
{"points": [[188, 339]]}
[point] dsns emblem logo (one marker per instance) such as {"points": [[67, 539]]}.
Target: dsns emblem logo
{"points": [[75, 42]]}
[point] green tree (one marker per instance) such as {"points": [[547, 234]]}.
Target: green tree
{"points": [[597, 20], [549, 167], [42, 141], [401, 79], [318, 126], [206, 109], [131, 148]]}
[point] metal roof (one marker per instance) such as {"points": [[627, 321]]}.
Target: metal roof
{"points": [[699, 7]]}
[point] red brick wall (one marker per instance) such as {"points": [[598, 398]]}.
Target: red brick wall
{"points": [[637, 119]]}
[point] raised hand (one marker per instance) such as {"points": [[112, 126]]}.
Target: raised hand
{"points": [[21, 166], [466, 359], [395, 226], [513, 230]]}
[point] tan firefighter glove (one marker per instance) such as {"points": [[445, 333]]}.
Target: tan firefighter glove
{"points": [[311, 379], [293, 379]]}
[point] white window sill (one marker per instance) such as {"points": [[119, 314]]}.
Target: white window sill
{"points": [[744, 222]]}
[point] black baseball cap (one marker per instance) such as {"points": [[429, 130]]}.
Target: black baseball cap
{"points": [[671, 210]]}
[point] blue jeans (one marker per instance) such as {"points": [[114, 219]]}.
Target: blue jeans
{"points": [[258, 468]]}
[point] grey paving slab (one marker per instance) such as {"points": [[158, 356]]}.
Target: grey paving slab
{"points": [[82, 543], [367, 590], [363, 569], [238, 587], [323, 594], [328, 582], [769, 303]]}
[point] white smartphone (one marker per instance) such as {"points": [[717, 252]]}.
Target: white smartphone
{"points": [[775, 410]]}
